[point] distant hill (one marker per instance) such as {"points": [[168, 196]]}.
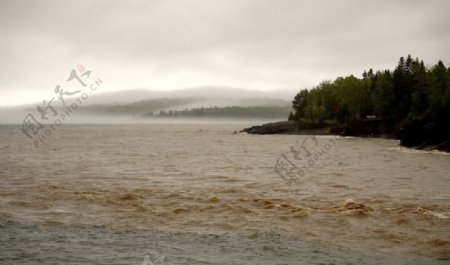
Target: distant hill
{"points": [[135, 103], [217, 93], [181, 105]]}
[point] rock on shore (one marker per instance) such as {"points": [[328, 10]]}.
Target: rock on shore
{"points": [[286, 127], [409, 136], [273, 128]]}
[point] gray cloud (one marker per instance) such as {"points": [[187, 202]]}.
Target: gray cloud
{"points": [[171, 44]]}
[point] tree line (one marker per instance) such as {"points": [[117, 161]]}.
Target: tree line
{"points": [[262, 112], [412, 102]]}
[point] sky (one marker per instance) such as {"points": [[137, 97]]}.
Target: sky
{"points": [[175, 44]]}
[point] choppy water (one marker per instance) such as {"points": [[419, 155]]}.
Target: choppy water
{"points": [[29, 244], [199, 194]]}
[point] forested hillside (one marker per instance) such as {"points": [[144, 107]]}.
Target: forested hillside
{"points": [[412, 102]]}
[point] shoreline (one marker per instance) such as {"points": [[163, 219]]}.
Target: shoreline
{"points": [[365, 129]]}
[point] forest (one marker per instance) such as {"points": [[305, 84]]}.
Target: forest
{"points": [[410, 103]]}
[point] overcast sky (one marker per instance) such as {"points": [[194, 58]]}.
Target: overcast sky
{"points": [[163, 45]]}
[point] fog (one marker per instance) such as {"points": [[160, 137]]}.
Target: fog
{"points": [[131, 105], [16, 116]]}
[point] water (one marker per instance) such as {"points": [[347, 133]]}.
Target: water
{"points": [[29, 244], [199, 194]]}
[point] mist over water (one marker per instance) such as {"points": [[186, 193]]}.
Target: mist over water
{"points": [[134, 106], [213, 197], [16, 117]]}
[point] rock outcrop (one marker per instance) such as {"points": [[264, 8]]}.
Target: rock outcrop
{"points": [[281, 127]]}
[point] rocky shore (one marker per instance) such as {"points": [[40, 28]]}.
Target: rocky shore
{"points": [[286, 127], [363, 128]]}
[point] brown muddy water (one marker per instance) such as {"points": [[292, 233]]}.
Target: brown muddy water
{"points": [[199, 194]]}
